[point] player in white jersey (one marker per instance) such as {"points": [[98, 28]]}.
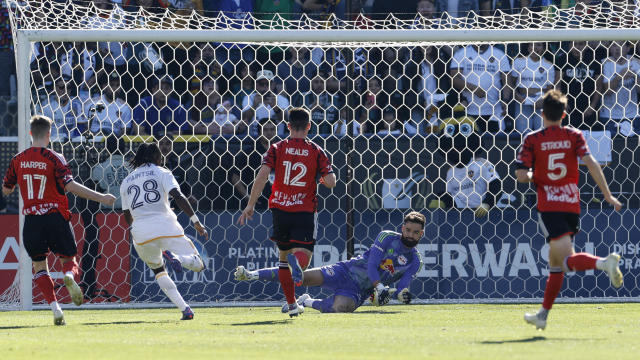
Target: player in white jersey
{"points": [[154, 226]]}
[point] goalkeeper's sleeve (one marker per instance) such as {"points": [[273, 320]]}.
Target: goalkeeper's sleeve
{"points": [[411, 272]]}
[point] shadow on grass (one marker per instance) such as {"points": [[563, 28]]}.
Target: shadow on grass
{"points": [[128, 322], [525, 340], [18, 327], [376, 312], [268, 322]]}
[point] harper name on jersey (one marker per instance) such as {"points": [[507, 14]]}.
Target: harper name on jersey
{"points": [[145, 193]]}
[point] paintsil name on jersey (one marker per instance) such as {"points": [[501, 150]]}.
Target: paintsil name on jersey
{"points": [[294, 151], [33, 165], [555, 145], [140, 174]]}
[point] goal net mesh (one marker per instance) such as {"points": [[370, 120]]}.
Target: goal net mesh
{"points": [[429, 126]]}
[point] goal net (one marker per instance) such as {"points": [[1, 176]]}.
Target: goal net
{"points": [[422, 113]]}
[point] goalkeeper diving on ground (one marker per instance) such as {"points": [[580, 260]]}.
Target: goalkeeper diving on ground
{"points": [[392, 259]]}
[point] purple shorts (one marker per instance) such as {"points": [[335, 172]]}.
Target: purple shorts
{"points": [[336, 278]]}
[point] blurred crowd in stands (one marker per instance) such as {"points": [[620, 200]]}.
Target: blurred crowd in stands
{"points": [[230, 89]]}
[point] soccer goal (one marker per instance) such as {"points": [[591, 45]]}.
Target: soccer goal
{"points": [[396, 103]]}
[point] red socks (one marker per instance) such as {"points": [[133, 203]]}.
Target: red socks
{"points": [[71, 265], [554, 284], [286, 282], [581, 261], [303, 259], [45, 284]]}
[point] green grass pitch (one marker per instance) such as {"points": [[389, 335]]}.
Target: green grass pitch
{"points": [[488, 332]]}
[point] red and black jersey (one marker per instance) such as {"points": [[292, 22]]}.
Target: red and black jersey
{"points": [[297, 164], [553, 153], [41, 174]]}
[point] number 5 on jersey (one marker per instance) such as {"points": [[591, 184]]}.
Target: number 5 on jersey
{"points": [[555, 164]]}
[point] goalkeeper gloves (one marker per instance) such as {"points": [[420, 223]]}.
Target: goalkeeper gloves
{"points": [[404, 296], [381, 295]]}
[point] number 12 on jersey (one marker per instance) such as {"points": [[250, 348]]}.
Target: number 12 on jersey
{"points": [[288, 168]]}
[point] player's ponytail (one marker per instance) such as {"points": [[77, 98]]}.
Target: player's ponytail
{"points": [[146, 154]]}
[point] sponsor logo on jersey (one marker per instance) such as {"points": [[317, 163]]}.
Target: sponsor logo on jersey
{"points": [[402, 260], [387, 265], [329, 270]]}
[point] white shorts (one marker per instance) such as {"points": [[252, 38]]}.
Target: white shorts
{"points": [[151, 252]]}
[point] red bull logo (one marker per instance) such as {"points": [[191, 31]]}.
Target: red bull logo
{"points": [[387, 265]]}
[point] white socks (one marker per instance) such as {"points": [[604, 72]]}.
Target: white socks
{"points": [[55, 306], [169, 287], [191, 262], [309, 302]]}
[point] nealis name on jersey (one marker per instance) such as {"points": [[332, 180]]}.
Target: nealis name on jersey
{"points": [[565, 193], [134, 177], [294, 151], [33, 165], [554, 145]]}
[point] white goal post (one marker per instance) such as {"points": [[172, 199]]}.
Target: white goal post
{"points": [[27, 32]]}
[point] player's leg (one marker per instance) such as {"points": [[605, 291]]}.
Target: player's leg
{"points": [[151, 254], [303, 237], [334, 304], [62, 242], [36, 245], [312, 277], [585, 261], [282, 224], [181, 251]]}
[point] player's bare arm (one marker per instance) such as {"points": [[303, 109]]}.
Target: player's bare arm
{"points": [[524, 175], [185, 206], [7, 191], [598, 176], [84, 192], [256, 190]]}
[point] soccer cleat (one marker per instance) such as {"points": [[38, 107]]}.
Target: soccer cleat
{"points": [[74, 290], [535, 320], [175, 264], [187, 314], [300, 301], [613, 270], [58, 318], [295, 309], [241, 274], [297, 274]]}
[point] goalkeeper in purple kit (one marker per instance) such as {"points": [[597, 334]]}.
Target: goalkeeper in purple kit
{"points": [[392, 259]]}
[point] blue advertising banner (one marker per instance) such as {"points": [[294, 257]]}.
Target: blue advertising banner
{"points": [[498, 257]]}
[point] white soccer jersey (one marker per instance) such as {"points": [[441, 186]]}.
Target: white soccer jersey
{"points": [[145, 193], [482, 69], [468, 185], [533, 74], [621, 103]]}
